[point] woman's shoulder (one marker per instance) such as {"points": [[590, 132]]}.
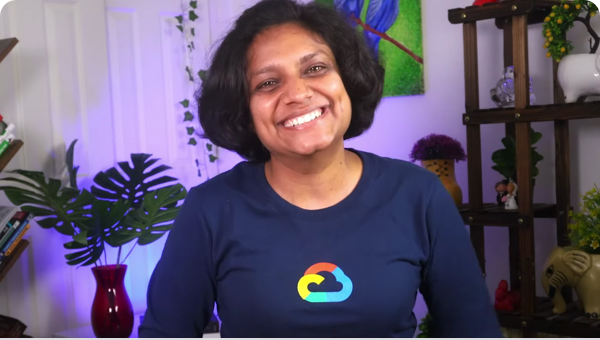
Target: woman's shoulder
{"points": [[236, 180], [387, 168]]}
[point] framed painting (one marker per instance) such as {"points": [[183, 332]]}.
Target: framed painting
{"points": [[393, 29]]}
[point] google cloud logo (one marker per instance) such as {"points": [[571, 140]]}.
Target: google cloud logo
{"points": [[311, 276]]}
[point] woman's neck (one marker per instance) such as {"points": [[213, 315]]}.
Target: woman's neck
{"points": [[321, 181]]}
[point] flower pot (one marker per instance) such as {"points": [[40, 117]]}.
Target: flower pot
{"points": [[444, 169], [572, 267], [578, 76], [112, 312]]}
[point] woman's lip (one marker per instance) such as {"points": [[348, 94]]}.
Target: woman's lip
{"points": [[325, 111]]}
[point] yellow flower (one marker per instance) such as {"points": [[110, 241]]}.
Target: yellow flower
{"points": [[566, 6], [578, 6], [552, 15], [593, 14], [550, 39], [547, 19], [562, 49], [548, 55], [559, 21], [548, 34], [595, 244], [582, 243]]}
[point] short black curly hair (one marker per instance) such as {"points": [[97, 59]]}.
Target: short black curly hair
{"points": [[223, 100]]}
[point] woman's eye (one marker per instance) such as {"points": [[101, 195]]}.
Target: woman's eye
{"points": [[266, 84], [315, 69]]}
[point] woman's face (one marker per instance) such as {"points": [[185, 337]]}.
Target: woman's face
{"points": [[297, 99]]}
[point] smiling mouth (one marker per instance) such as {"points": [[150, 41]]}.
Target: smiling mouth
{"points": [[301, 120]]}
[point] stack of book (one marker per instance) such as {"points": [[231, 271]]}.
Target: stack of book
{"points": [[6, 136], [13, 225]]}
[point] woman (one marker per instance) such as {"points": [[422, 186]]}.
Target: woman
{"points": [[307, 238]]}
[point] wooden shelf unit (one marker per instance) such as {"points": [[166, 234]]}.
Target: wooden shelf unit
{"points": [[513, 17], [10, 260], [6, 45]]}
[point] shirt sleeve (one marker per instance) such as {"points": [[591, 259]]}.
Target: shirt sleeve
{"points": [[453, 285], [181, 292]]}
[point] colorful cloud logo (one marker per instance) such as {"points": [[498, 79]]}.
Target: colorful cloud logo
{"points": [[2, 3], [311, 276]]}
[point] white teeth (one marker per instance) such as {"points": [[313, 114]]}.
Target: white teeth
{"points": [[303, 119]]}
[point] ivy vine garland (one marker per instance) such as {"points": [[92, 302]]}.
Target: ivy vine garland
{"points": [[560, 20], [184, 20]]}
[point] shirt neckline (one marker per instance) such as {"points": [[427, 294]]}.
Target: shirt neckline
{"points": [[333, 211]]}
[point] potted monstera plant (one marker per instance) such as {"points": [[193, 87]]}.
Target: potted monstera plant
{"points": [[131, 204]]}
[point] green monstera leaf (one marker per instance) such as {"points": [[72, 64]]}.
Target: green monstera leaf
{"points": [[112, 185], [57, 207], [97, 231], [155, 216]]}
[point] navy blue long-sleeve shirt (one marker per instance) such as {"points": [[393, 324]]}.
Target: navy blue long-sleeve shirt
{"points": [[350, 270]]}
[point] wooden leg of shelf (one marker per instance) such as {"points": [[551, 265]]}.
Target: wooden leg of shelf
{"points": [[524, 168], [563, 185], [478, 240], [475, 190]]}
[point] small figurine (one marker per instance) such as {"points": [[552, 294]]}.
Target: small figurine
{"points": [[501, 189], [511, 202], [506, 300]]}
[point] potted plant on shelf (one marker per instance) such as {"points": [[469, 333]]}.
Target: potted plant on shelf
{"points": [[133, 203], [577, 73], [438, 153], [578, 266], [506, 165]]}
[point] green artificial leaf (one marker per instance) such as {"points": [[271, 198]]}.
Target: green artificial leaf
{"points": [[179, 18], [325, 2], [189, 72], [100, 229], [190, 130], [202, 74], [188, 117], [192, 16], [185, 103], [192, 141], [212, 158], [54, 206], [194, 4], [70, 168], [155, 216], [112, 185], [209, 146], [535, 137], [180, 28], [193, 31]]}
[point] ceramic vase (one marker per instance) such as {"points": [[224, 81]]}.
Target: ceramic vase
{"points": [[444, 169], [112, 312], [579, 76]]}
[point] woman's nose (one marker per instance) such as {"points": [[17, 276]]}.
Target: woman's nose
{"points": [[297, 91]]}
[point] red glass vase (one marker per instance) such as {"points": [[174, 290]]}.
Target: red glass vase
{"points": [[112, 312]]}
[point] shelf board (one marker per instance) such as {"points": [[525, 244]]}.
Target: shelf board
{"points": [[535, 9], [534, 113], [10, 260], [10, 152], [571, 323], [494, 215], [6, 45]]}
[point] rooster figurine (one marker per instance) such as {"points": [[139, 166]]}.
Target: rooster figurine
{"points": [[506, 300]]}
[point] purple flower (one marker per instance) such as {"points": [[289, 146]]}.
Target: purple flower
{"points": [[436, 146]]}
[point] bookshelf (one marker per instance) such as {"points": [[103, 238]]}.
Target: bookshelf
{"points": [[513, 17], [12, 259], [6, 45]]}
